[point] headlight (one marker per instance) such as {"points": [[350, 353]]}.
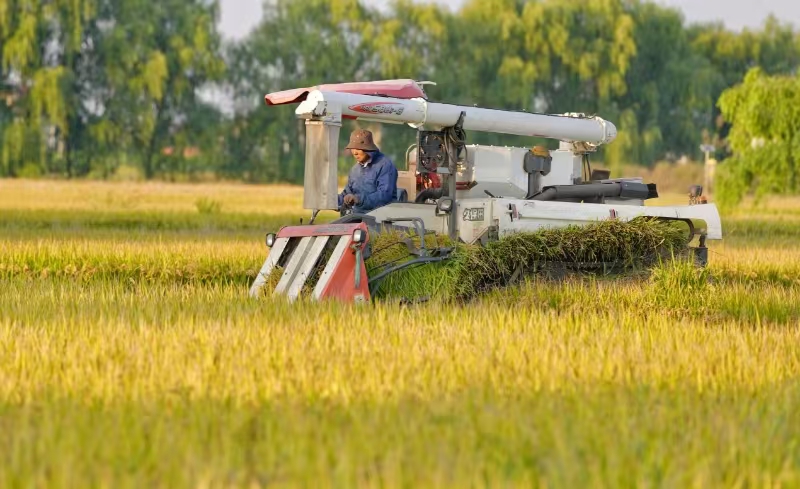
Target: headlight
{"points": [[359, 236], [270, 240], [445, 204]]}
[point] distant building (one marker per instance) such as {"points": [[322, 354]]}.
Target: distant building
{"points": [[188, 152]]}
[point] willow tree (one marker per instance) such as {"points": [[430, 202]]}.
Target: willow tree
{"points": [[157, 57], [41, 42], [298, 43], [764, 112]]}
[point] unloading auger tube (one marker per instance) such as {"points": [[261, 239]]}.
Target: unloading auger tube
{"points": [[419, 113], [487, 191]]}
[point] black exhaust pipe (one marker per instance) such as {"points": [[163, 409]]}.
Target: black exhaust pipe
{"points": [[598, 191]]}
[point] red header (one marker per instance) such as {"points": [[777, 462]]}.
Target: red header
{"points": [[405, 89]]}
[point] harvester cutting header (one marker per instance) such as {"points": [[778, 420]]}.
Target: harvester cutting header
{"points": [[471, 193]]}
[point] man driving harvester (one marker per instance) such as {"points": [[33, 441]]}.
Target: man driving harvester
{"points": [[372, 181]]}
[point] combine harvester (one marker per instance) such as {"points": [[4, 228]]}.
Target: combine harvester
{"points": [[486, 192]]}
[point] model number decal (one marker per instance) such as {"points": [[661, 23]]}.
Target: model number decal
{"points": [[379, 108], [474, 214]]}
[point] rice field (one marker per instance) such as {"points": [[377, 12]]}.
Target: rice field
{"points": [[131, 356]]}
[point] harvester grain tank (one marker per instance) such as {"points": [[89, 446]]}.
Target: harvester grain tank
{"points": [[482, 193]]}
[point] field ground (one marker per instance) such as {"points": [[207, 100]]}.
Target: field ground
{"points": [[130, 356]]}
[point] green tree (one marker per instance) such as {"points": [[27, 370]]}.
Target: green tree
{"points": [[764, 112], [670, 92], [158, 56], [299, 43], [550, 56], [89, 79], [41, 43], [775, 49]]}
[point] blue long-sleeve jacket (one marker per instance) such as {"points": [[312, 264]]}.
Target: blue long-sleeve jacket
{"points": [[375, 185]]}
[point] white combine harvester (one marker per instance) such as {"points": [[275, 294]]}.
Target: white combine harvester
{"points": [[486, 192]]}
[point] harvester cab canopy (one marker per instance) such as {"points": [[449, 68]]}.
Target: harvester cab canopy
{"points": [[471, 193]]}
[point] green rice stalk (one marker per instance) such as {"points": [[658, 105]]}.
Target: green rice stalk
{"points": [[473, 269]]}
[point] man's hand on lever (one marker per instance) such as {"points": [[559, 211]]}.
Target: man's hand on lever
{"points": [[350, 200]]}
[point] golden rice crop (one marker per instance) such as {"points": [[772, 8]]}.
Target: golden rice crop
{"points": [[165, 384], [99, 196], [131, 356]]}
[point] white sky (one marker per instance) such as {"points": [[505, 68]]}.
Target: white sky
{"points": [[239, 16]]}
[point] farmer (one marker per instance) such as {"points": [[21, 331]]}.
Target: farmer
{"points": [[372, 181]]}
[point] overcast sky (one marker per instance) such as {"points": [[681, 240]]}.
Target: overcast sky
{"points": [[239, 16]]}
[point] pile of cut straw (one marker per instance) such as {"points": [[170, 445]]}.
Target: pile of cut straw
{"points": [[475, 269]]}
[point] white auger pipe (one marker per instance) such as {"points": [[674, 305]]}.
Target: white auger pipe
{"points": [[419, 112]]}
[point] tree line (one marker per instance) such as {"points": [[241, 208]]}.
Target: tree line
{"points": [[93, 88]]}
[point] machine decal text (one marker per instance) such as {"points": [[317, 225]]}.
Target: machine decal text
{"points": [[379, 108], [474, 214]]}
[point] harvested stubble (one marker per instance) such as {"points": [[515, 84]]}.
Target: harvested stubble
{"points": [[474, 269]]}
